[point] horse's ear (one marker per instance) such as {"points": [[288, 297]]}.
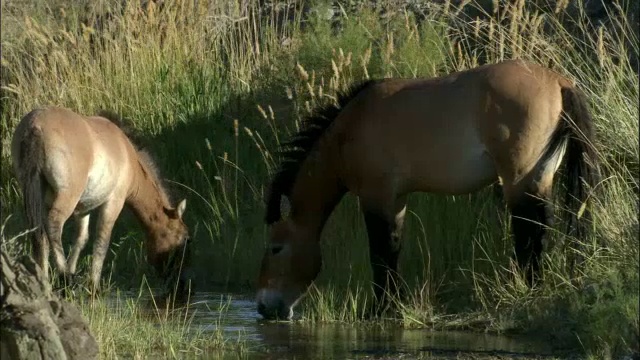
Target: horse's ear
{"points": [[178, 211], [181, 207], [285, 206]]}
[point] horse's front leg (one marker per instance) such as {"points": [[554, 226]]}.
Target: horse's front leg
{"points": [[107, 215], [82, 235], [385, 232]]}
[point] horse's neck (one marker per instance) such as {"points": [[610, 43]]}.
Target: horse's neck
{"points": [[147, 199], [316, 193]]}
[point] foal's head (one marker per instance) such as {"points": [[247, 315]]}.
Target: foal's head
{"points": [[290, 263], [168, 247], [167, 235]]}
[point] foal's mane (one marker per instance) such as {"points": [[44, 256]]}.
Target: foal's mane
{"points": [[295, 151], [145, 158]]}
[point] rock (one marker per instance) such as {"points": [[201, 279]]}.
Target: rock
{"points": [[36, 324]]}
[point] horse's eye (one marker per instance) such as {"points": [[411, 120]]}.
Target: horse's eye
{"points": [[275, 249]]}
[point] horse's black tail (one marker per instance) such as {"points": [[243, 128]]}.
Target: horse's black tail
{"points": [[29, 173], [581, 164]]}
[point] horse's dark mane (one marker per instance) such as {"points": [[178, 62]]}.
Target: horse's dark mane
{"points": [[295, 151], [123, 123], [144, 156], [151, 166]]}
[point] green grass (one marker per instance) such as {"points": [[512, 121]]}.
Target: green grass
{"points": [[139, 325], [139, 328], [212, 94]]}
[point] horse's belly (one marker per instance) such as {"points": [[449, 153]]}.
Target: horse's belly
{"points": [[466, 176], [101, 183], [459, 170]]}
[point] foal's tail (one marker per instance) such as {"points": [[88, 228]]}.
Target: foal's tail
{"points": [[582, 171], [29, 170]]}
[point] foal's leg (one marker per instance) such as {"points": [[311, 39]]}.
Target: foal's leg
{"points": [[107, 215], [385, 232], [82, 228], [41, 251], [60, 211]]}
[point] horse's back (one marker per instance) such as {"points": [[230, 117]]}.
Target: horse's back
{"points": [[443, 134], [77, 154], [52, 129], [79, 136]]}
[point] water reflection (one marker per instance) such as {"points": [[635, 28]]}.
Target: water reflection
{"points": [[236, 318], [341, 341]]}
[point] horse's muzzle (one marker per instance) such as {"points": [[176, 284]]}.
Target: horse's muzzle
{"points": [[281, 312], [272, 307]]}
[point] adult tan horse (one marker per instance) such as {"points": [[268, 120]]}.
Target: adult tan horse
{"points": [[68, 165], [513, 121]]}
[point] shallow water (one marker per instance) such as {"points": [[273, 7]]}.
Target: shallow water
{"points": [[235, 316]]}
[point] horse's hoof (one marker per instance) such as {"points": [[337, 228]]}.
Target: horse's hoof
{"points": [[374, 312], [94, 291], [369, 314], [383, 311], [176, 300], [76, 278], [62, 284], [61, 281]]}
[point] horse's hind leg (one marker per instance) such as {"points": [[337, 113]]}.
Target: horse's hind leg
{"points": [[531, 217], [40, 246], [384, 229], [60, 211], [82, 228]]}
